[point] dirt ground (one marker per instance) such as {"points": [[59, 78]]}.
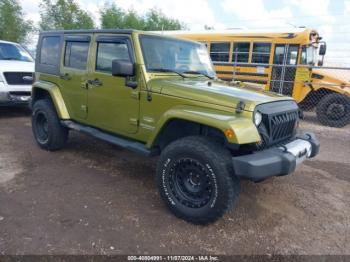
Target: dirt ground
{"points": [[95, 198]]}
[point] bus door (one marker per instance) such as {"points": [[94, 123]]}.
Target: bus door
{"points": [[283, 71]]}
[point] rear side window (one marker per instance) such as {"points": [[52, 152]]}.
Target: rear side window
{"points": [[49, 53], [261, 53], [76, 54], [240, 52], [107, 52], [220, 52]]}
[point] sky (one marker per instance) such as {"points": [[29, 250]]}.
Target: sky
{"points": [[330, 17]]}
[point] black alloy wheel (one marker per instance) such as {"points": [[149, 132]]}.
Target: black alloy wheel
{"points": [[190, 183]]}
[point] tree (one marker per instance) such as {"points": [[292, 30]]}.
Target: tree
{"points": [[156, 20], [111, 16], [132, 20], [13, 27], [64, 14], [115, 17]]}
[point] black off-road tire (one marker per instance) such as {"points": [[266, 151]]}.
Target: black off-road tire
{"points": [[209, 164], [47, 129], [334, 110]]}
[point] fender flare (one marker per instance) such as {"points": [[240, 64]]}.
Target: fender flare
{"points": [[55, 95]]}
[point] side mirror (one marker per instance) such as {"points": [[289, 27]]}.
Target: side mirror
{"points": [[323, 49], [123, 68]]}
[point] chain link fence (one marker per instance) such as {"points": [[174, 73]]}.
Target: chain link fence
{"points": [[323, 91]]}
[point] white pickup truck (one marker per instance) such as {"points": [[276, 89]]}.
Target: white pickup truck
{"points": [[16, 74]]}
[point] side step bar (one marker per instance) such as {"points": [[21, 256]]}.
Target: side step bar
{"points": [[136, 147]]}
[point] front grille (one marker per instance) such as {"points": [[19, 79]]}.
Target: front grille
{"points": [[19, 78], [277, 127], [283, 125]]}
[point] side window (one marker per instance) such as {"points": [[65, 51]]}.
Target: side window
{"points": [[303, 59], [261, 53], [76, 54], [292, 55], [107, 52], [279, 55], [49, 52], [220, 52], [240, 52]]}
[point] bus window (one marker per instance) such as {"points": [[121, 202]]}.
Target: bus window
{"points": [[261, 53], [309, 55], [292, 55], [303, 59], [279, 55], [220, 52], [240, 52]]}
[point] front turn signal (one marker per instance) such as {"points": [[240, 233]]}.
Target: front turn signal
{"points": [[229, 133]]}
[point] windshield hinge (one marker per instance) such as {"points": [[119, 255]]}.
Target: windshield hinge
{"points": [[240, 106], [135, 94]]}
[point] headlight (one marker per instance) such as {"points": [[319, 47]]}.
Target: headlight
{"points": [[257, 118]]}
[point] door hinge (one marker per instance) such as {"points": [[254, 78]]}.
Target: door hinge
{"points": [[134, 121], [83, 108]]}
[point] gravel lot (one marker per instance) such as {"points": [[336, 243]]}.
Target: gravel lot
{"points": [[95, 198]]}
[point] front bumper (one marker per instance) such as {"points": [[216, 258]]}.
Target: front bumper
{"points": [[276, 161], [12, 98]]}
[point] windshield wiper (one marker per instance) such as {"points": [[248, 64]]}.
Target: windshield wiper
{"points": [[198, 73], [168, 71]]}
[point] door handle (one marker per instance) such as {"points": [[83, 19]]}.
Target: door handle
{"points": [[95, 83], [65, 76]]}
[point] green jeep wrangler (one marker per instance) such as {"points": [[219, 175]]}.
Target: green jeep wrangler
{"points": [[158, 95]]}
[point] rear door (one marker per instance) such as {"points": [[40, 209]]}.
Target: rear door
{"points": [[283, 71], [113, 106], [74, 73]]}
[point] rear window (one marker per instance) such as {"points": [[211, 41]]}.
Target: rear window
{"points": [[76, 54], [220, 52], [49, 53]]}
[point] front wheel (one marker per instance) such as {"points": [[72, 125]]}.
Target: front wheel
{"points": [[195, 178], [334, 110], [47, 129]]}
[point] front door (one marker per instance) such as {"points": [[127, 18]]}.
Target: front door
{"points": [[283, 71], [112, 105], [74, 73]]}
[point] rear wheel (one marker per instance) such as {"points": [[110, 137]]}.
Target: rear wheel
{"points": [[195, 178], [334, 110], [47, 129]]}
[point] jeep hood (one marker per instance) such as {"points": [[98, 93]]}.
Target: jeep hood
{"points": [[214, 92]]}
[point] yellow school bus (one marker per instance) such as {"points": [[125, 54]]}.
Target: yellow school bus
{"points": [[282, 62]]}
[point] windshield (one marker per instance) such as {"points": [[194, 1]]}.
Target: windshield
{"points": [[309, 55], [173, 55], [14, 52]]}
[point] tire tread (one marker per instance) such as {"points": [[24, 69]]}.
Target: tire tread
{"points": [[58, 134], [219, 155]]}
